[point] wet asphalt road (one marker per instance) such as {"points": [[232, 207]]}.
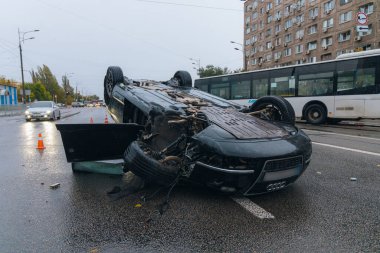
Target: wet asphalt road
{"points": [[324, 211]]}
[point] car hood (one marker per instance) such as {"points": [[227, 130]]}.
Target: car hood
{"points": [[40, 109], [216, 140]]}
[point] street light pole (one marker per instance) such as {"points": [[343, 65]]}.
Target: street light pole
{"points": [[244, 58], [196, 61], [22, 65]]}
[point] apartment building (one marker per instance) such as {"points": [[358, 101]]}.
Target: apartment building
{"points": [[286, 32]]}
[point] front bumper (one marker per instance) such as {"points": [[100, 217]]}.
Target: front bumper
{"points": [[268, 175], [39, 116]]}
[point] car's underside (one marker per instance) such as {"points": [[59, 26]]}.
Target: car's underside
{"points": [[176, 132]]}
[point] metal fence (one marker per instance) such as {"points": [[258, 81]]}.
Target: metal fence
{"points": [[11, 110]]}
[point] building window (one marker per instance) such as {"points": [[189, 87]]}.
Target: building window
{"points": [[268, 57], [268, 32], [328, 23], [277, 42], [313, 13], [261, 48], [312, 59], [269, 6], [312, 29], [300, 3], [326, 57], [288, 38], [312, 45], [344, 36], [277, 2], [343, 2], [328, 6], [326, 41], [277, 29], [269, 44], [269, 18], [288, 52], [345, 17], [288, 24], [261, 10], [254, 27], [247, 20], [368, 8], [261, 24], [299, 48], [277, 55], [254, 4], [278, 15], [299, 34], [254, 15], [253, 39], [300, 19], [287, 10], [254, 61]]}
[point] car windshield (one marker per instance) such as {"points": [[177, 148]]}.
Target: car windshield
{"points": [[41, 104]]}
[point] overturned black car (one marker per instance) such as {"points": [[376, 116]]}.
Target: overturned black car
{"points": [[169, 131]]}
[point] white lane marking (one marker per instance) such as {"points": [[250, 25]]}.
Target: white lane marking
{"points": [[346, 135], [253, 208], [349, 149]]}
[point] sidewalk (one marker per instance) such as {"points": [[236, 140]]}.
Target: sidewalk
{"points": [[12, 110]]}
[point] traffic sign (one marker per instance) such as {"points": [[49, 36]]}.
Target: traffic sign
{"points": [[362, 18], [362, 28]]}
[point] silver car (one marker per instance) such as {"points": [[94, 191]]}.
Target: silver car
{"points": [[43, 110]]}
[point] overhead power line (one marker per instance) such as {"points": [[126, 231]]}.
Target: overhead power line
{"points": [[191, 5]]}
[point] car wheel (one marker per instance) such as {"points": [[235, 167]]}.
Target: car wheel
{"points": [[53, 118], [183, 78], [315, 114], [140, 163], [59, 115], [113, 76], [274, 108]]}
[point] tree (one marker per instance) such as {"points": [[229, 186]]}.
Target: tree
{"points": [[211, 70], [38, 91], [49, 81]]}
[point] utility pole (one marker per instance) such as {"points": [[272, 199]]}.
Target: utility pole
{"points": [[22, 69], [22, 65]]}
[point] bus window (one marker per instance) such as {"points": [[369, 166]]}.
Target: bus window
{"points": [[283, 86], [318, 84], [355, 78], [240, 89], [221, 90], [259, 87], [202, 85]]}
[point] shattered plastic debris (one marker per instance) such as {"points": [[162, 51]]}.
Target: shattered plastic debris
{"points": [[319, 173], [138, 205], [55, 186], [353, 179]]}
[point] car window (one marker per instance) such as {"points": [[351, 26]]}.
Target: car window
{"points": [[41, 104]]}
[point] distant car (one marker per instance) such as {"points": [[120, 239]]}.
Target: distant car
{"points": [[60, 105], [77, 104], [43, 110], [169, 131]]}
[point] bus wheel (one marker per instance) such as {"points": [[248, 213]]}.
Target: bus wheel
{"points": [[113, 76], [315, 114], [274, 108]]}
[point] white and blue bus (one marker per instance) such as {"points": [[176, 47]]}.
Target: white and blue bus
{"points": [[345, 88]]}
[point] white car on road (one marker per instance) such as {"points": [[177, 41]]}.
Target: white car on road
{"points": [[43, 110]]}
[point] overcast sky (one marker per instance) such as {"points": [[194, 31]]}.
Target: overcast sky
{"points": [[147, 38]]}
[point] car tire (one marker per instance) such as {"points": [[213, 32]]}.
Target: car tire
{"points": [[315, 114], [113, 76], [147, 167], [53, 118], [183, 78], [59, 115], [283, 110]]}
